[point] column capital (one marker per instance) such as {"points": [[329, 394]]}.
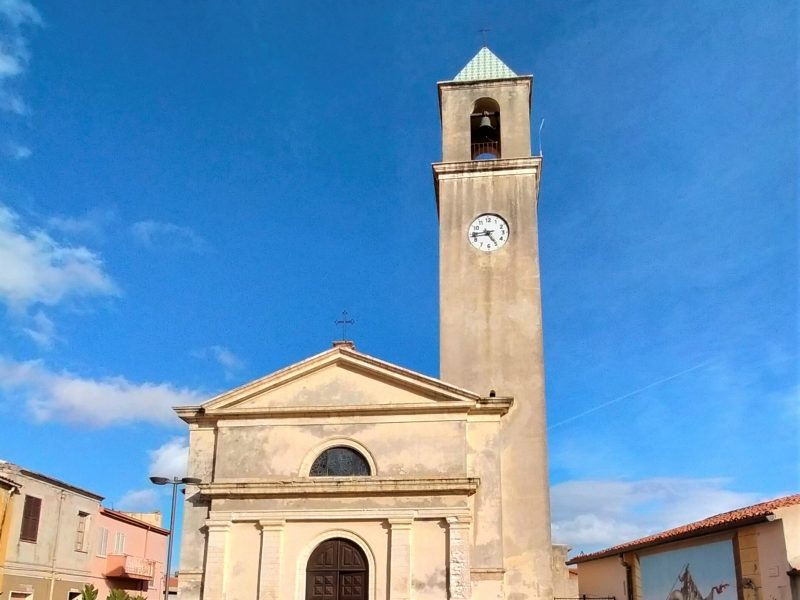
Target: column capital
{"points": [[271, 524], [400, 523], [459, 522], [219, 526]]}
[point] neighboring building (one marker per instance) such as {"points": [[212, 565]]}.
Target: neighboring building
{"points": [[46, 536], [565, 580], [55, 538], [153, 517], [748, 554], [129, 554], [347, 477], [8, 487]]}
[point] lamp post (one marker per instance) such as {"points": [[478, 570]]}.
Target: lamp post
{"points": [[175, 482]]}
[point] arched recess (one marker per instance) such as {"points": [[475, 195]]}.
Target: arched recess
{"points": [[484, 126], [344, 534], [305, 466]]}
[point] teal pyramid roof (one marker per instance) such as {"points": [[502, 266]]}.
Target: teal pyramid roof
{"points": [[484, 65]]}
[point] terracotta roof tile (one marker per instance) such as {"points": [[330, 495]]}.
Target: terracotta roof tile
{"points": [[725, 520]]}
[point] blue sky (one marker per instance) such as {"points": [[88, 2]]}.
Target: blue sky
{"points": [[191, 193]]}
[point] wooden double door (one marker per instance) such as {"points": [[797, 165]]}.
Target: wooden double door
{"points": [[337, 570]]}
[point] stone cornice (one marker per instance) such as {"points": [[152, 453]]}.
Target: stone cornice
{"points": [[482, 406], [531, 165], [342, 486], [499, 166]]}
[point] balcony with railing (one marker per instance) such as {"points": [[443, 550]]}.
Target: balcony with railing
{"points": [[485, 150], [129, 567]]}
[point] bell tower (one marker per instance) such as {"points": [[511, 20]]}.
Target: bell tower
{"points": [[491, 319]]}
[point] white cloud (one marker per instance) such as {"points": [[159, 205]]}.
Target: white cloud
{"points": [[42, 330], [155, 235], [138, 500], [93, 223], [223, 356], [589, 515], [39, 270], [63, 396], [15, 17], [170, 459], [17, 151]]}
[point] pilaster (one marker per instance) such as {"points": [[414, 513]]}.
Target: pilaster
{"points": [[216, 553], [459, 584], [400, 559], [269, 570]]}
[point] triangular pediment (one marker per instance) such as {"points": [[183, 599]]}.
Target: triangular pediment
{"points": [[339, 380]]}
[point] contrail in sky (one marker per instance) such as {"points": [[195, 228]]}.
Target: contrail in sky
{"points": [[629, 394]]}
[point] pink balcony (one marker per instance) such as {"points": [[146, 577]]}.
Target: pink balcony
{"points": [[129, 567]]}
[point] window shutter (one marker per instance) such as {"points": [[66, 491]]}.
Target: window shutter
{"points": [[30, 519]]}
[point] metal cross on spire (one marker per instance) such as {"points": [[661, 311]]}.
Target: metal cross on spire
{"points": [[483, 31], [344, 322]]}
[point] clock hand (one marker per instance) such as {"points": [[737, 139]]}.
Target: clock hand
{"points": [[489, 233]]}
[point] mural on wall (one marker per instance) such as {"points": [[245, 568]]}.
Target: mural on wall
{"points": [[704, 572]]}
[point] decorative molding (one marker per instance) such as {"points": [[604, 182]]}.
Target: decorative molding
{"points": [[345, 514], [280, 412], [487, 574], [341, 486]]}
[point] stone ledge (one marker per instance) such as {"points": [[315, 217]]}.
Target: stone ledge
{"points": [[342, 486], [483, 406]]}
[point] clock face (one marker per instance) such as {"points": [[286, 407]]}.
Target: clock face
{"points": [[488, 232]]}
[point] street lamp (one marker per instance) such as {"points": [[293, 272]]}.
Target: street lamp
{"points": [[175, 481]]}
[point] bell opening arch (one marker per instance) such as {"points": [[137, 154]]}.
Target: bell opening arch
{"points": [[484, 126]]}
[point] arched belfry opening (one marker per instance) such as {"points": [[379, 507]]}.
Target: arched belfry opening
{"points": [[484, 125], [337, 570]]}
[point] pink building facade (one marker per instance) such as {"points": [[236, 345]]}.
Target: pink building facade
{"points": [[128, 554]]}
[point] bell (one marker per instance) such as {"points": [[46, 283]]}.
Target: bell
{"points": [[486, 124]]}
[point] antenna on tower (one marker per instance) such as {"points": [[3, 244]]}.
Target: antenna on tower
{"points": [[541, 124]]}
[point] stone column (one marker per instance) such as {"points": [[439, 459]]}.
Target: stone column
{"points": [[216, 553], [400, 559], [269, 570], [459, 584]]}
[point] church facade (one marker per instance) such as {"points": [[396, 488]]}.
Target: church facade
{"points": [[344, 477]]}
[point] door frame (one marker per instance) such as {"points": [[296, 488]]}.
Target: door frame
{"points": [[305, 554]]}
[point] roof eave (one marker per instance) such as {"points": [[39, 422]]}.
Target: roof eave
{"points": [[623, 549]]}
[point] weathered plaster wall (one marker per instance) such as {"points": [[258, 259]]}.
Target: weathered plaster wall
{"points": [[419, 446], [58, 522], [243, 561], [603, 577], [195, 512], [565, 584], [485, 448], [6, 490], [790, 522], [773, 562], [429, 560], [491, 338]]}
